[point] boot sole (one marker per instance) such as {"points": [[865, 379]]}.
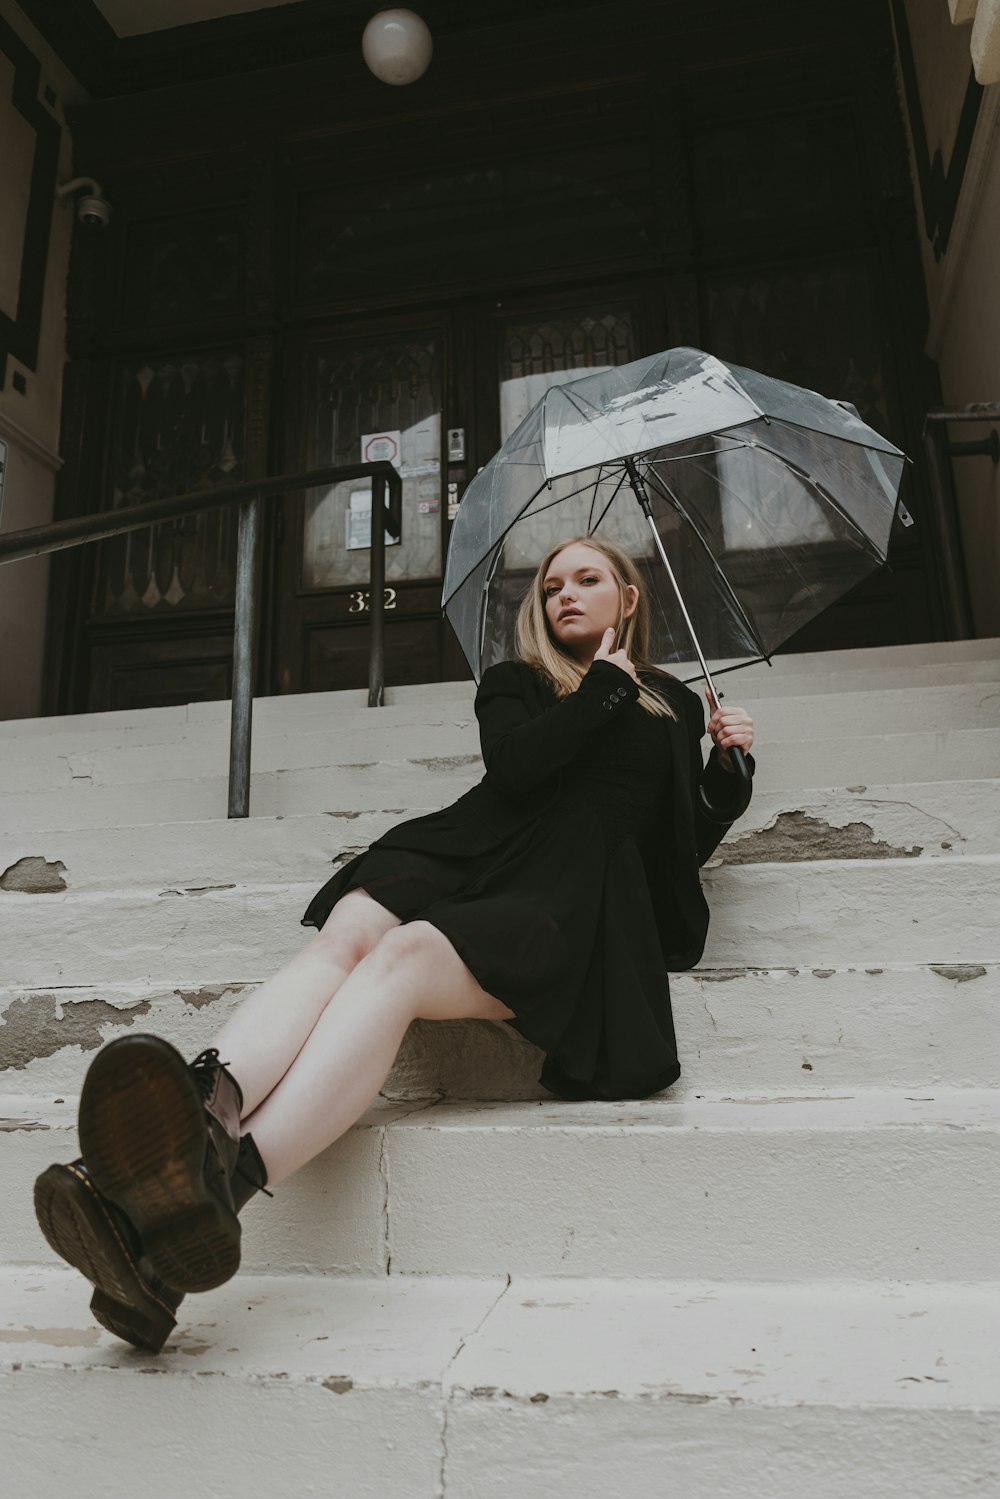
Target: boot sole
{"points": [[79, 1228], [144, 1136]]}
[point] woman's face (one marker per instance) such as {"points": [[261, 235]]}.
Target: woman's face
{"points": [[582, 599]]}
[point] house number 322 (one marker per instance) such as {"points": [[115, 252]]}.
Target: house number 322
{"points": [[361, 600]]}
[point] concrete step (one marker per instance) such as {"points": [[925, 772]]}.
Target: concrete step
{"points": [[964, 656], [868, 1184], [318, 737], [63, 751], [903, 1025], [405, 788], [421, 1387], [877, 822], [827, 914]]}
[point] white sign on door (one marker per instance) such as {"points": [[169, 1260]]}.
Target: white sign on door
{"points": [[382, 447]]}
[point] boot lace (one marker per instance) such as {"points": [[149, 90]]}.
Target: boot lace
{"points": [[204, 1067]]}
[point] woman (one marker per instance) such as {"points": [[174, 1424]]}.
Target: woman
{"points": [[553, 896]]}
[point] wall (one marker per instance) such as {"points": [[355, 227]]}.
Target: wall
{"points": [[962, 283], [32, 337]]}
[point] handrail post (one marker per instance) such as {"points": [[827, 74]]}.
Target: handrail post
{"points": [[244, 637], [376, 596]]}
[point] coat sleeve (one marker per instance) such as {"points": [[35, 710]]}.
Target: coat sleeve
{"points": [[720, 785], [520, 749]]}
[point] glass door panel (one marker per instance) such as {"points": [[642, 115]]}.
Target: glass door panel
{"points": [[367, 399]]}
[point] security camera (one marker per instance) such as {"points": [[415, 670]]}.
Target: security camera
{"points": [[94, 210]]}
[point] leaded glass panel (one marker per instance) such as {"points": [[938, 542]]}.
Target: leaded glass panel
{"points": [[367, 400], [179, 426]]}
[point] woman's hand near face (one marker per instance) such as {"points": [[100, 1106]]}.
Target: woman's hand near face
{"points": [[617, 658], [730, 727]]}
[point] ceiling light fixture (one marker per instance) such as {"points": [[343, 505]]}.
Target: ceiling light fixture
{"points": [[397, 46]]}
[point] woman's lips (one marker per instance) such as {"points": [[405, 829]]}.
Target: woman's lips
{"points": [[571, 614]]}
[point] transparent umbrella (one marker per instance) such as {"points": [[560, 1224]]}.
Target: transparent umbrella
{"points": [[748, 504]]}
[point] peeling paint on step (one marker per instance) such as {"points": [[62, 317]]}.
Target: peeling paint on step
{"points": [[960, 972], [11, 1126], [196, 889], [723, 975], [34, 875], [795, 837], [347, 854], [199, 998], [449, 762], [340, 1384], [32, 1028]]}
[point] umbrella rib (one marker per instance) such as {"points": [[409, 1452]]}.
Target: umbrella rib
{"points": [[560, 499], [720, 671], [592, 526], [465, 578], [663, 486], [822, 490]]}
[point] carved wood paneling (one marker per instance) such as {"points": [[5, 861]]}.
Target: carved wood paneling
{"points": [[179, 426], [509, 220]]}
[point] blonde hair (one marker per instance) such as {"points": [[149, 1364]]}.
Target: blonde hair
{"points": [[537, 646]]}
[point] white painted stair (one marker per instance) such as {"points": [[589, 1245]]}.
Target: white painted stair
{"points": [[777, 1278]]}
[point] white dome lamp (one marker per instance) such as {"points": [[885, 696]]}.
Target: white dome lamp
{"points": [[397, 46]]}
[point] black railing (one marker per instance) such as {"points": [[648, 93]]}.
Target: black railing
{"points": [[37, 540], [948, 555]]}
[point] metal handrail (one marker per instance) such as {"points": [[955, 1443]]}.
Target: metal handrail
{"points": [[34, 541]]}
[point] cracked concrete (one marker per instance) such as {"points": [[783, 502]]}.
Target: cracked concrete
{"points": [[383, 1172], [196, 889], [40, 1027], [34, 875], [449, 1394], [798, 837], [960, 972]]}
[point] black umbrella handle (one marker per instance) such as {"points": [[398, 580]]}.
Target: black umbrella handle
{"points": [[735, 807]]}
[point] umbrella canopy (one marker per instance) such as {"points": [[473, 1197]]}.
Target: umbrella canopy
{"points": [[770, 500]]}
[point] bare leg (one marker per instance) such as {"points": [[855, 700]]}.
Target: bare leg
{"points": [[262, 1039], [413, 972]]}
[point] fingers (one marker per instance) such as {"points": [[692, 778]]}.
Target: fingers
{"points": [[731, 727], [607, 641]]}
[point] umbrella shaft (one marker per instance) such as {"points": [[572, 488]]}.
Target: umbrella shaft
{"points": [[639, 489]]}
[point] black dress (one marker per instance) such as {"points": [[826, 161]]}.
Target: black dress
{"points": [[538, 876]]}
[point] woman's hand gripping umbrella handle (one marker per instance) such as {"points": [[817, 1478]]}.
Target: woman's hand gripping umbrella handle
{"points": [[730, 729]]}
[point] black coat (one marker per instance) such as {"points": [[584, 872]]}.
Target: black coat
{"points": [[528, 735]]}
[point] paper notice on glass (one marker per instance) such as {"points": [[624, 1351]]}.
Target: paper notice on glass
{"points": [[358, 519]]}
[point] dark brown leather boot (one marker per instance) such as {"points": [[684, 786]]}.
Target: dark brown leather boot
{"points": [[94, 1236], [161, 1138]]}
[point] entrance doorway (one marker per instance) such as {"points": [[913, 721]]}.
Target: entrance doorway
{"points": [[436, 393]]}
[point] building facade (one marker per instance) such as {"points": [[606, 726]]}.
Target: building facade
{"points": [[302, 260]]}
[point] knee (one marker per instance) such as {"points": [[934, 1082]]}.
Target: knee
{"points": [[407, 948], [346, 938]]}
